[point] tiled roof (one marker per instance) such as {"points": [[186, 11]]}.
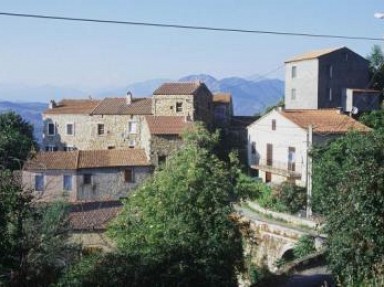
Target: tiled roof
{"points": [[73, 107], [112, 158], [312, 54], [187, 88], [93, 215], [324, 121], [224, 98], [118, 106], [167, 125], [53, 160], [72, 160]]}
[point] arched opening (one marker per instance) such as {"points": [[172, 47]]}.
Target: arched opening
{"points": [[288, 255]]}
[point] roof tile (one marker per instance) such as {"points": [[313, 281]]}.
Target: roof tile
{"points": [[187, 88], [118, 106], [72, 160], [167, 125], [73, 107], [312, 54], [324, 121], [223, 98]]}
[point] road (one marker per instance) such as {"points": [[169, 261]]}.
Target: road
{"points": [[314, 277]]}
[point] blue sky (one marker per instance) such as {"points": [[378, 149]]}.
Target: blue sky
{"points": [[93, 56]]}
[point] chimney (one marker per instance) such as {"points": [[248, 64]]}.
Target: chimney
{"points": [[128, 98], [52, 104]]}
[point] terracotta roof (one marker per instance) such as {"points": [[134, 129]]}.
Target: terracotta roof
{"points": [[313, 54], [163, 125], [224, 98], [187, 88], [72, 160], [112, 158], [73, 107], [53, 160], [93, 215], [324, 121], [118, 106]]}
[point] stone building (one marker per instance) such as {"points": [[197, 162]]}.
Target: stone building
{"points": [[319, 79], [85, 175]]}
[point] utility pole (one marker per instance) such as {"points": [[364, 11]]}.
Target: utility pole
{"points": [[309, 172]]}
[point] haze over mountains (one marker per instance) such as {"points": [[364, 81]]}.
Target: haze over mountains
{"points": [[250, 95]]}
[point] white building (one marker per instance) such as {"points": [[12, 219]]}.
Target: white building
{"points": [[278, 142]]}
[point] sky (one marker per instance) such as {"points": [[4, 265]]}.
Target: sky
{"points": [[94, 56]]}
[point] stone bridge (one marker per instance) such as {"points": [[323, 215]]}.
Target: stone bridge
{"points": [[272, 236]]}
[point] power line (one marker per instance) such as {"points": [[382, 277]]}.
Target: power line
{"points": [[189, 27]]}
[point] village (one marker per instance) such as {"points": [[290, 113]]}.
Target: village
{"points": [[95, 153]]}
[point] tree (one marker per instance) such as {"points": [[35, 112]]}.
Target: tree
{"points": [[376, 67], [16, 140], [34, 250], [348, 188], [373, 119], [180, 218]]}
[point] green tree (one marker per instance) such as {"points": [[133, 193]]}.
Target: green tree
{"points": [[348, 188], [16, 140], [376, 67], [181, 217], [373, 119], [33, 241]]}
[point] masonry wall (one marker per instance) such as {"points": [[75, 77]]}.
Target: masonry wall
{"points": [[165, 105], [85, 137], [163, 146], [107, 184]]}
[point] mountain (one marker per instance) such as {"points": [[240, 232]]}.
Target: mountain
{"points": [[249, 96], [30, 112]]}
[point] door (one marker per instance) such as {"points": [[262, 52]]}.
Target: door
{"points": [[268, 176]]}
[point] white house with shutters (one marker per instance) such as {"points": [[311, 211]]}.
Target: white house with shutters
{"points": [[278, 142]]}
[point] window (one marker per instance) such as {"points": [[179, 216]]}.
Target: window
{"points": [[132, 127], [67, 182], [179, 107], [70, 129], [51, 129], [293, 94], [51, 148], [330, 71], [294, 72], [330, 94], [87, 178], [253, 148], [291, 158], [273, 125], [161, 159], [100, 129], [129, 175], [39, 182], [69, 148]]}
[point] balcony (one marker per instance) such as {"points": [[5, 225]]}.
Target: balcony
{"points": [[289, 170]]}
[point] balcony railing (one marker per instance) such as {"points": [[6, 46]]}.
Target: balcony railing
{"points": [[288, 169]]}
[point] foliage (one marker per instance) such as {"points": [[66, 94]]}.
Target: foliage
{"points": [[304, 247], [33, 237], [293, 197], [348, 188], [373, 119], [180, 219], [376, 67], [16, 140]]}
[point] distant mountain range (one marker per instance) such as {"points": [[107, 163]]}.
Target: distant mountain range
{"points": [[250, 95]]}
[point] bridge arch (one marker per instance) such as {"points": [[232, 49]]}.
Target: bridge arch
{"points": [[286, 252]]}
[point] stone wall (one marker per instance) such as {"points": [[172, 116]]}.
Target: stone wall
{"points": [[163, 146], [165, 105], [85, 136], [107, 184]]}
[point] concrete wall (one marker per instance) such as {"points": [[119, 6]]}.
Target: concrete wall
{"points": [[85, 137], [305, 83], [107, 184], [364, 101], [287, 134]]}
